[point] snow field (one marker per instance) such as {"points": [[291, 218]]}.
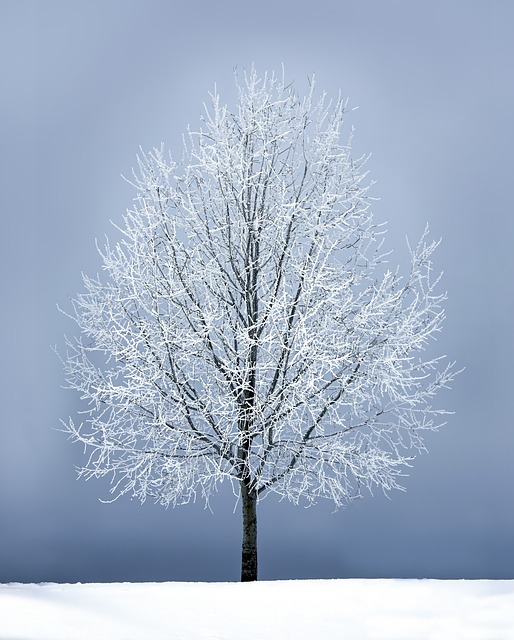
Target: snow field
{"points": [[295, 610]]}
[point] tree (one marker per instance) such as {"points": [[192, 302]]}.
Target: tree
{"points": [[249, 329]]}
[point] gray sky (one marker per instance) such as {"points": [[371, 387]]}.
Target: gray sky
{"points": [[86, 83]]}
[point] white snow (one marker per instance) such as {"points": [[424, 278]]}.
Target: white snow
{"points": [[303, 609]]}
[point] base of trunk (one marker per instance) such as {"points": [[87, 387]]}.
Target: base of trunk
{"points": [[249, 546]]}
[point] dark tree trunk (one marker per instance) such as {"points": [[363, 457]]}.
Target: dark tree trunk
{"points": [[249, 547]]}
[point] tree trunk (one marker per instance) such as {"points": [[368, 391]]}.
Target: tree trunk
{"points": [[249, 547]]}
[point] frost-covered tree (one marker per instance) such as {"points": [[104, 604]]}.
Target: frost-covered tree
{"points": [[247, 328]]}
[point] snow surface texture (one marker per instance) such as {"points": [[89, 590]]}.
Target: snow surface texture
{"points": [[303, 609]]}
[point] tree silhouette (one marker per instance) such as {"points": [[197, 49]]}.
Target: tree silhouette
{"points": [[248, 328]]}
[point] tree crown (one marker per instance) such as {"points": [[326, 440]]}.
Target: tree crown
{"points": [[248, 328]]}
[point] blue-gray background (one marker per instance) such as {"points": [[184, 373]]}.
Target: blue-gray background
{"points": [[84, 84]]}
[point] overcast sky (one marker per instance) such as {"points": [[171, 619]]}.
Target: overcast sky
{"points": [[86, 83]]}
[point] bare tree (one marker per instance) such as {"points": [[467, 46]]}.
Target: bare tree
{"points": [[248, 329]]}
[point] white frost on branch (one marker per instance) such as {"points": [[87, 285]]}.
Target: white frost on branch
{"points": [[246, 327]]}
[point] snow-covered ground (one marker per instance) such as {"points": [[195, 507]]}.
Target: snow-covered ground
{"points": [[303, 609]]}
